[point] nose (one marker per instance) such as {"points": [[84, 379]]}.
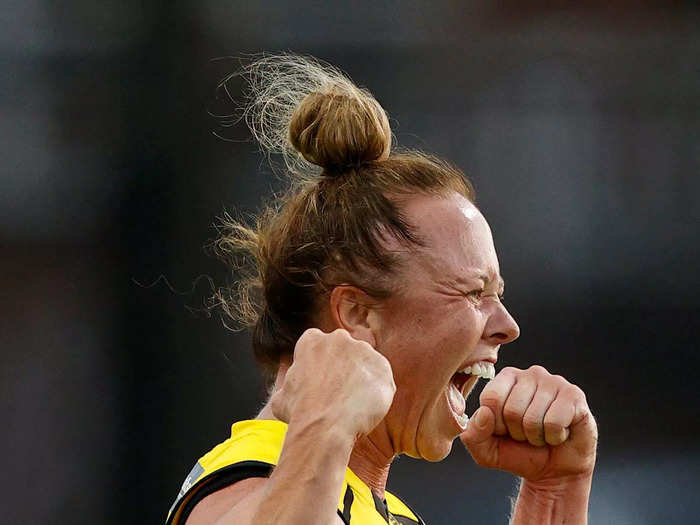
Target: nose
{"points": [[501, 328]]}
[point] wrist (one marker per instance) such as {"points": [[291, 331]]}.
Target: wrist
{"points": [[323, 428], [558, 486], [555, 500]]}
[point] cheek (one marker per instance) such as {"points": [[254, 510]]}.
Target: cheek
{"points": [[457, 332], [425, 344]]}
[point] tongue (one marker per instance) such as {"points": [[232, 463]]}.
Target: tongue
{"points": [[456, 399]]}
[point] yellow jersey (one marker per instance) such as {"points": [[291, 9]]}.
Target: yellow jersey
{"points": [[253, 451]]}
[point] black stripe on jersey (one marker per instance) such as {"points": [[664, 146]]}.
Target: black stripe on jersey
{"points": [[380, 506], [347, 504], [218, 480], [383, 509]]}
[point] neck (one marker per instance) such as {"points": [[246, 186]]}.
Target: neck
{"points": [[370, 461]]}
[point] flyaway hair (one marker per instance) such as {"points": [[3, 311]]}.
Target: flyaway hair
{"points": [[280, 86]]}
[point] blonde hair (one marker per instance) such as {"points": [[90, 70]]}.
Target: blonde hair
{"points": [[342, 203]]}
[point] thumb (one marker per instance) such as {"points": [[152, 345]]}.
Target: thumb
{"points": [[479, 438], [280, 406]]}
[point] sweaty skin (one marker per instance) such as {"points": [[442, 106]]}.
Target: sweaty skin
{"points": [[396, 359]]}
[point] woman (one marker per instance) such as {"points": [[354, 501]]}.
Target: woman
{"points": [[375, 304]]}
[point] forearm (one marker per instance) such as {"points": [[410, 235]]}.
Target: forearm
{"points": [[306, 483], [553, 503]]}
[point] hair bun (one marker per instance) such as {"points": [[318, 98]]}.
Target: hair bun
{"points": [[311, 114], [338, 130]]}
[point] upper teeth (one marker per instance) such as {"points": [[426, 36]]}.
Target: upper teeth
{"points": [[482, 369]]}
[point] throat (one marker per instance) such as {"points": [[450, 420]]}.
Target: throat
{"points": [[371, 464]]}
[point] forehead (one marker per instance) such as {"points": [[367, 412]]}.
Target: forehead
{"points": [[458, 239]]}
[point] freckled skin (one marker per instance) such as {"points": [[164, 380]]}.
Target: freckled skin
{"points": [[432, 325]]}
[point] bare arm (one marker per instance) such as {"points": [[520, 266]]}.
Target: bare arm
{"points": [[305, 486]]}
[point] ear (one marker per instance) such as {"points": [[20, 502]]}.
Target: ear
{"points": [[351, 309]]}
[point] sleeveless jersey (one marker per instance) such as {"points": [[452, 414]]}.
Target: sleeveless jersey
{"points": [[252, 451]]}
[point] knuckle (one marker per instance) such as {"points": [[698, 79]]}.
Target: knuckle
{"points": [[576, 392], [307, 338], [538, 370], [560, 379], [342, 334], [311, 333]]}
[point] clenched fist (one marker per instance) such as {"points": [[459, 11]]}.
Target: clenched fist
{"points": [[533, 424], [336, 379]]}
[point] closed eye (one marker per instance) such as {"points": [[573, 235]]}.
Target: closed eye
{"points": [[476, 295]]}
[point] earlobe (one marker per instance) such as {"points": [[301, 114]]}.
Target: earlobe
{"points": [[351, 310]]}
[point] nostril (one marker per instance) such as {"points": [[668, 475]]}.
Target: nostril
{"points": [[505, 337]]}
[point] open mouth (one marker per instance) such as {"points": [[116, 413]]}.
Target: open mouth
{"points": [[461, 385]]}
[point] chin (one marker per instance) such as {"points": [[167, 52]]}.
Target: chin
{"points": [[434, 450]]}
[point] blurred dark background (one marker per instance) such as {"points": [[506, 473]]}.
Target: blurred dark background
{"points": [[579, 128]]}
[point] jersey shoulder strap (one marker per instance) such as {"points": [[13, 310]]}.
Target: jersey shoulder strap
{"points": [[252, 451]]}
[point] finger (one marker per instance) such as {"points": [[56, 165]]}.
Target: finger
{"points": [[516, 405], [279, 406], [495, 394], [309, 335], [479, 439], [480, 426], [558, 419], [492, 451], [533, 420]]}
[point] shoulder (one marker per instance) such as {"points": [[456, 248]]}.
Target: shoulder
{"points": [[238, 496], [230, 473]]}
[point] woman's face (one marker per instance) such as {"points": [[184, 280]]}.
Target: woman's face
{"points": [[447, 314]]}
